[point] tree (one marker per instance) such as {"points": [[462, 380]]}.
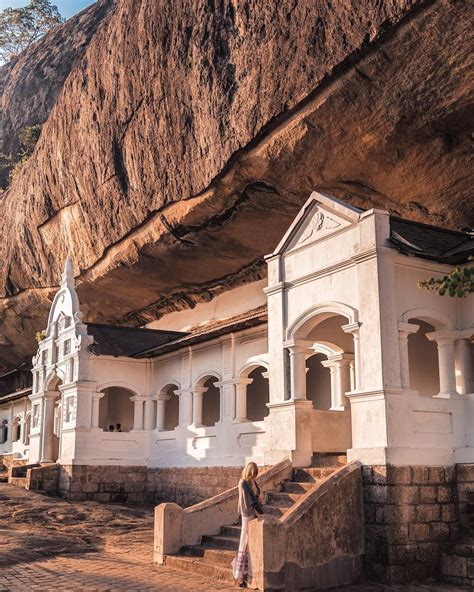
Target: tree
{"points": [[20, 27], [459, 282]]}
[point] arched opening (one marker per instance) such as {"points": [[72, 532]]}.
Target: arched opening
{"points": [[171, 419], [27, 429], [423, 360], [52, 419], [211, 403], [116, 409], [318, 382], [258, 394], [4, 431], [16, 429], [323, 362]]}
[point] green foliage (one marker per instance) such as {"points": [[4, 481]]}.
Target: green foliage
{"points": [[20, 27], [28, 137], [459, 282]]}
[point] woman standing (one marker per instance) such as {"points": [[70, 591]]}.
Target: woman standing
{"points": [[250, 507]]}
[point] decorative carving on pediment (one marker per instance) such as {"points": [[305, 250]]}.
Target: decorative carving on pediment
{"points": [[320, 221]]}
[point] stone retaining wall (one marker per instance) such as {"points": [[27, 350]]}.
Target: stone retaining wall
{"points": [[410, 513], [137, 484], [43, 479]]}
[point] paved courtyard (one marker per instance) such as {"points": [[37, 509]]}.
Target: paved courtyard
{"points": [[51, 544]]}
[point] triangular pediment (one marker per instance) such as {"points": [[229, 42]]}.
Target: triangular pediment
{"points": [[320, 217]]}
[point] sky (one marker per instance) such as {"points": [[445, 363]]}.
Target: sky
{"points": [[66, 7]]}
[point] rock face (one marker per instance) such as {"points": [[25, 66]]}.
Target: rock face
{"points": [[31, 83], [187, 136]]}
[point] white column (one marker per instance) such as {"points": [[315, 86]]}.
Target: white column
{"points": [[160, 411], [198, 394], [404, 331], [149, 419], [447, 375], [462, 361], [96, 397], [354, 329], [138, 413], [22, 424], [340, 368], [298, 350], [241, 399], [185, 407]]}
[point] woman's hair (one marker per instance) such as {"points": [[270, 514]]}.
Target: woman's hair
{"points": [[250, 471]]}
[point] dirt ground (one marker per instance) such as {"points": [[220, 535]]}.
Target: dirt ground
{"points": [[49, 544]]}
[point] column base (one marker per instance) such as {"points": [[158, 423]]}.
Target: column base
{"points": [[450, 395]]}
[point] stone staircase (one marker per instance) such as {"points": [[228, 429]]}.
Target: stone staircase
{"points": [[19, 475], [214, 555]]}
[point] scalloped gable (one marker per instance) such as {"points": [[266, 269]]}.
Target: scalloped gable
{"points": [[320, 216]]}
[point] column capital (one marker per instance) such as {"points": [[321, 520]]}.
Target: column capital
{"points": [[444, 336], [242, 381], [341, 359], [161, 397], [138, 398], [97, 395], [405, 329], [199, 390], [352, 328], [298, 345]]}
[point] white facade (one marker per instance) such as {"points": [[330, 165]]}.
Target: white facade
{"points": [[355, 356]]}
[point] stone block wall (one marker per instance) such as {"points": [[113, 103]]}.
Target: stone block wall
{"points": [[410, 514], [138, 484], [465, 491], [43, 479]]}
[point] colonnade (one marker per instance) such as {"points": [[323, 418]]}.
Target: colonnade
{"points": [[453, 358]]}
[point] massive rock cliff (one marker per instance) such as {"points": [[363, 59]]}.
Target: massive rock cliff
{"points": [[189, 133], [31, 83]]}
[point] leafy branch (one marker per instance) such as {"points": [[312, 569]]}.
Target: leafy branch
{"points": [[458, 283]]}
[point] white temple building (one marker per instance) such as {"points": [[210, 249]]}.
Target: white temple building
{"points": [[337, 350]]}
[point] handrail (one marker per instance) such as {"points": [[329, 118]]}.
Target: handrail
{"points": [[176, 527]]}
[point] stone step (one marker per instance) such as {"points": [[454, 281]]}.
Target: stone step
{"points": [[221, 541], [210, 554], [295, 487], [274, 510], [232, 531], [329, 459], [197, 565], [312, 474], [282, 499], [18, 481]]}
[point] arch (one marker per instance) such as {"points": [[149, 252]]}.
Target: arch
{"points": [[249, 367], [428, 315], [120, 384], [318, 313], [258, 394], [210, 400], [171, 406], [204, 377], [165, 386], [326, 348], [53, 379], [4, 431], [15, 427], [423, 360], [116, 408]]}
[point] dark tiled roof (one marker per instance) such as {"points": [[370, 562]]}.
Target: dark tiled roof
{"points": [[251, 318], [110, 340], [430, 242], [16, 382]]}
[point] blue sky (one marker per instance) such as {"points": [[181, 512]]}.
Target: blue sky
{"points": [[66, 7]]}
